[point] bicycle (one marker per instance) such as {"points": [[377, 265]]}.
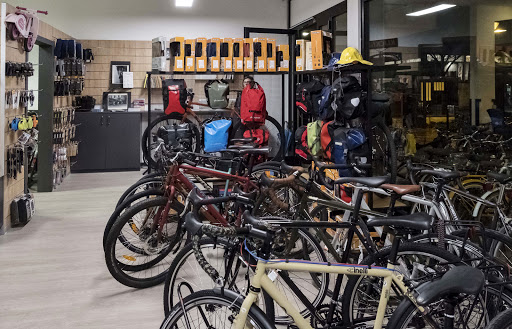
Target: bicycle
{"points": [[502, 321]]}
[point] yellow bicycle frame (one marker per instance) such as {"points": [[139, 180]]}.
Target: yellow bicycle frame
{"points": [[262, 281]]}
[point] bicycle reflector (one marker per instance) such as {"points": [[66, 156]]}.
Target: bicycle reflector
{"points": [[130, 258]]}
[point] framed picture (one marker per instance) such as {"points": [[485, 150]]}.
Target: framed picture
{"points": [[117, 69], [116, 101]]}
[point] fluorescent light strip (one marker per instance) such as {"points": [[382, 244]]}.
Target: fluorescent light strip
{"points": [[184, 3], [431, 10]]}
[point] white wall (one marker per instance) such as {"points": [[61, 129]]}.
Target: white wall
{"points": [[304, 9], [146, 19]]}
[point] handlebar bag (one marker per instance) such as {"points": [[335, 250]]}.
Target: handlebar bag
{"points": [[178, 137], [216, 135], [174, 92], [217, 94]]}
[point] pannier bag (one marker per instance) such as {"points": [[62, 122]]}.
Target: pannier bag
{"points": [[325, 111], [261, 135], [253, 108], [178, 137], [379, 104], [347, 96], [327, 138], [307, 96], [314, 140], [175, 96], [216, 135], [301, 142], [217, 94]]}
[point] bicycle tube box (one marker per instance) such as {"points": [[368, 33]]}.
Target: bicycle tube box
{"points": [[271, 55], [158, 58], [321, 47], [248, 55], [226, 54], [238, 55], [283, 58], [177, 54], [300, 55], [260, 54], [213, 53], [201, 59], [190, 55]]}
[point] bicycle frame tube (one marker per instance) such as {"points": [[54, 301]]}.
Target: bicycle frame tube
{"points": [[262, 281]]}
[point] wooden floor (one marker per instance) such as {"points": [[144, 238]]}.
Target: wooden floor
{"points": [[53, 272]]}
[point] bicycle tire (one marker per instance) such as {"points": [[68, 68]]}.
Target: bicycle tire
{"points": [[148, 158], [502, 321], [120, 271], [152, 182], [406, 248], [126, 204], [228, 299]]}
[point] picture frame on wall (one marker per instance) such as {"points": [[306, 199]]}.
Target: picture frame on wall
{"points": [[117, 69], [116, 101]]}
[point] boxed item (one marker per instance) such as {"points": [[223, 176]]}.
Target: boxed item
{"points": [[177, 54], [300, 55], [201, 59], [159, 61], [238, 55], [248, 55], [309, 56], [283, 58], [213, 53], [271, 55], [260, 54], [321, 47], [226, 55], [190, 55]]}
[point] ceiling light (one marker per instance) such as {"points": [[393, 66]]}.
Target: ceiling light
{"points": [[431, 10], [184, 3], [305, 34], [499, 31], [497, 28]]}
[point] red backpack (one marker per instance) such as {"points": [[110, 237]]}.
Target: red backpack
{"points": [[260, 134], [253, 109], [174, 93]]}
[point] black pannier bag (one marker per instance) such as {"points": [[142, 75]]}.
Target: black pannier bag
{"points": [[347, 98], [177, 137]]}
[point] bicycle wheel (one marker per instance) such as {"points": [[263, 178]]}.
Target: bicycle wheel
{"points": [[276, 137], [139, 186], [134, 256], [213, 309], [417, 262], [130, 201], [149, 136], [486, 214], [384, 151], [502, 321]]}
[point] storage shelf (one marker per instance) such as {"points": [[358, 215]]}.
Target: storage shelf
{"points": [[215, 73], [357, 68]]}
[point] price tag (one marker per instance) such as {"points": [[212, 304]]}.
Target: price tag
{"points": [[285, 64], [179, 63], [240, 65], [229, 64], [190, 62], [200, 64], [249, 64], [215, 64], [271, 64], [261, 64]]}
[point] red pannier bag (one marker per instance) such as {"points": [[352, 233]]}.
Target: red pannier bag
{"points": [[260, 134], [174, 92]]}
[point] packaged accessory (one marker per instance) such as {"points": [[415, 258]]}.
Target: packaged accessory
{"points": [[177, 54], [321, 48], [213, 52], [248, 55], [226, 54], [283, 58], [174, 96], [271, 55], [260, 54], [314, 138], [190, 55], [217, 94], [216, 135], [238, 55], [253, 110], [201, 59], [300, 55]]}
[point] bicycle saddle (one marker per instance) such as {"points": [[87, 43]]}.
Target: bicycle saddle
{"points": [[367, 181], [243, 140], [250, 195], [418, 221], [500, 178], [259, 150], [458, 280], [449, 175], [241, 147], [291, 169], [401, 189]]}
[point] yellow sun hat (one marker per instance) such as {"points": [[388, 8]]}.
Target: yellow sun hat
{"points": [[351, 55]]}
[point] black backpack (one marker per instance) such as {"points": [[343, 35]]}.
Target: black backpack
{"points": [[307, 96], [347, 98]]}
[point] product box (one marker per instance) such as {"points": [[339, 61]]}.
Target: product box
{"points": [[248, 55], [283, 58], [177, 54], [309, 56], [238, 55], [226, 55], [271, 55], [300, 55], [213, 53], [159, 61], [201, 59], [260, 54], [190, 55], [321, 46]]}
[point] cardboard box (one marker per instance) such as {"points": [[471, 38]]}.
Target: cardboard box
{"points": [[309, 56], [177, 54], [271, 55], [213, 54], [190, 55], [321, 46], [238, 55], [260, 54], [201, 59], [283, 58], [300, 55], [159, 60], [248, 55], [226, 55]]}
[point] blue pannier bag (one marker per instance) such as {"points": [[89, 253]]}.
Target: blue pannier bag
{"points": [[355, 138], [325, 111], [216, 135]]}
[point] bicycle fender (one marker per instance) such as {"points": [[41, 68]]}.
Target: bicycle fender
{"points": [[479, 204]]}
